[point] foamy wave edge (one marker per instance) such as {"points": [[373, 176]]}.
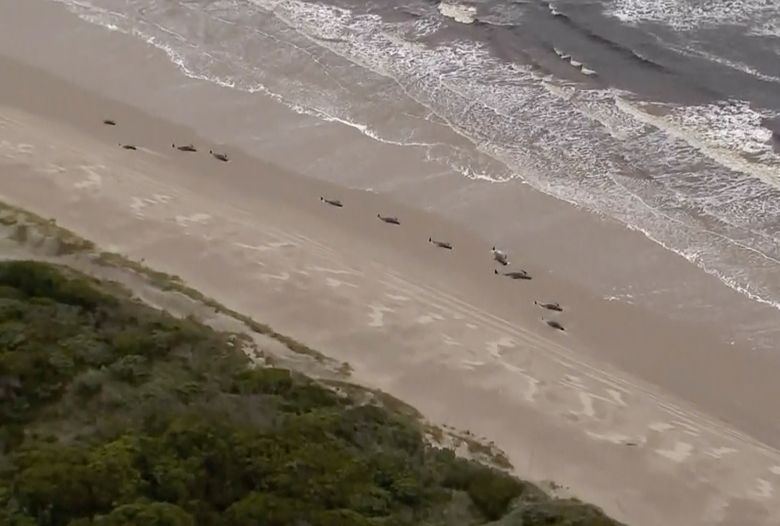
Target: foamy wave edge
{"points": [[726, 280]]}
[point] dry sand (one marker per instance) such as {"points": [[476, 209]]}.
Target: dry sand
{"points": [[658, 421]]}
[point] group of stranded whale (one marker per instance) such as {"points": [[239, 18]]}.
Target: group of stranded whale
{"points": [[499, 256]]}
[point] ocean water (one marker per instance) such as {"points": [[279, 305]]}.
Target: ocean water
{"points": [[664, 115]]}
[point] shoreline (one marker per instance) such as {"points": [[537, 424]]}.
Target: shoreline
{"points": [[338, 278], [655, 275], [618, 191]]}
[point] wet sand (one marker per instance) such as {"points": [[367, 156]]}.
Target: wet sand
{"points": [[658, 420]]}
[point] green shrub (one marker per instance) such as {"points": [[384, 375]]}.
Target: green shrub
{"points": [[131, 341], [262, 509], [88, 384], [9, 292], [146, 514], [42, 280], [339, 518], [492, 492], [52, 481], [266, 380], [132, 369]]}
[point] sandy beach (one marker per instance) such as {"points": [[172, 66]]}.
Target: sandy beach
{"points": [[659, 412]]}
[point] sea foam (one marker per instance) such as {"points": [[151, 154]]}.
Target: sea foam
{"points": [[465, 14]]}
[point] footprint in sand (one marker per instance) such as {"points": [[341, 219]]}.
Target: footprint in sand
{"points": [[689, 429], [92, 181], [472, 326], [276, 245], [588, 399], [397, 297], [377, 315], [681, 451], [660, 427], [775, 470], [449, 340], [192, 219], [533, 387], [284, 276], [12, 150], [569, 380], [494, 347], [763, 489], [617, 396], [336, 283], [25, 148], [720, 452], [613, 438], [139, 204], [338, 272], [426, 319], [52, 169], [587, 405], [529, 394], [470, 364]]}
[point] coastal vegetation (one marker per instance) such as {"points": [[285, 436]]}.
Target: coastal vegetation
{"points": [[115, 413]]}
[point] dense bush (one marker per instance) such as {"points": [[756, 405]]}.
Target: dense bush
{"points": [[39, 280], [114, 414]]}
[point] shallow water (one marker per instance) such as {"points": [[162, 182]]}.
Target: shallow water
{"points": [[657, 114]]}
